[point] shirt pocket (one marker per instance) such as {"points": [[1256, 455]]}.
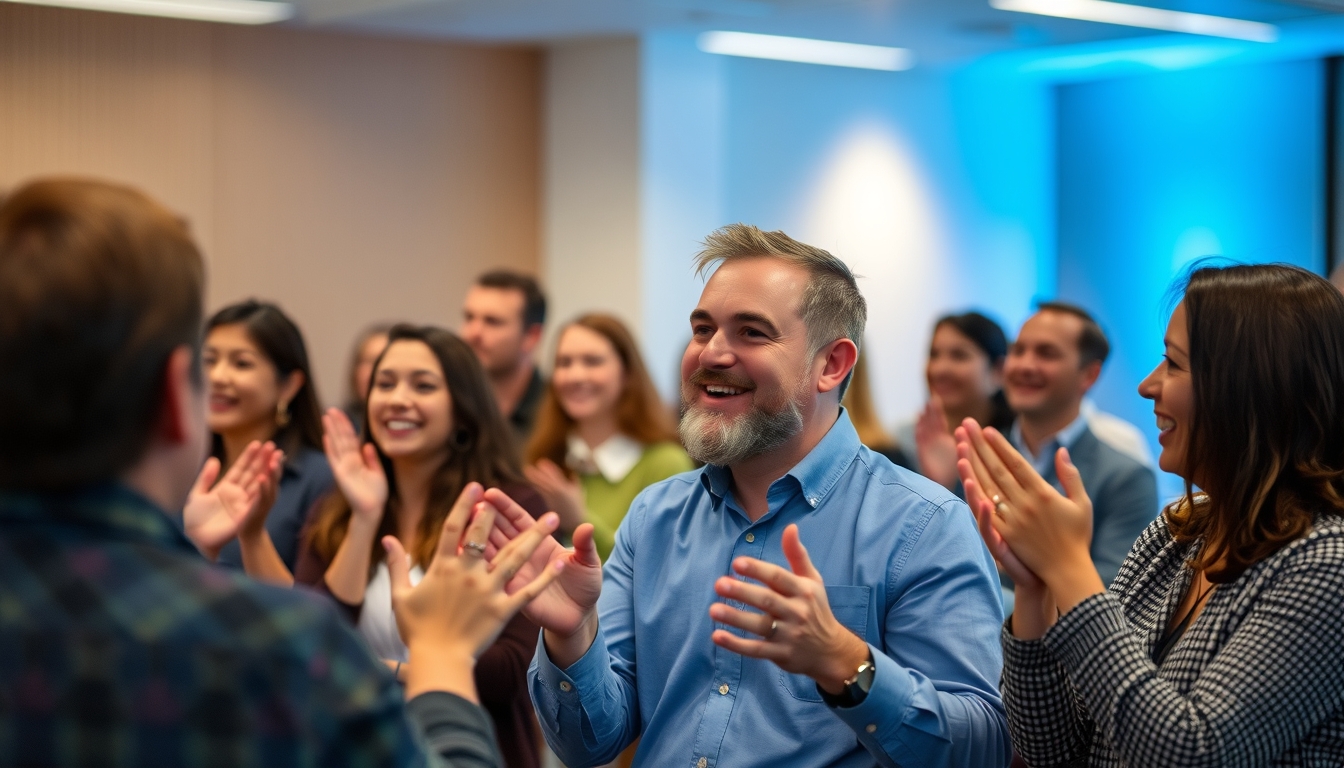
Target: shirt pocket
{"points": [[849, 605]]}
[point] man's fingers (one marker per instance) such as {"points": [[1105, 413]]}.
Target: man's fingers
{"points": [[755, 623], [796, 554], [536, 586], [756, 649], [512, 556], [450, 536], [398, 569], [585, 549], [771, 575], [761, 598]]}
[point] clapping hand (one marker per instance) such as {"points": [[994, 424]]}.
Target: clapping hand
{"points": [[216, 512], [562, 493], [358, 472], [935, 447], [461, 605]]}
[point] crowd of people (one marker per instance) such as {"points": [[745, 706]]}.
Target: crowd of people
{"points": [[201, 565]]}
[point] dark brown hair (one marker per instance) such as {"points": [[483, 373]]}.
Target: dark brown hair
{"points": [[534, 301], [279, 340], [1093, 345], [480, 449], [99, 285], [990, 338], [640, 413], [1267, 435]]}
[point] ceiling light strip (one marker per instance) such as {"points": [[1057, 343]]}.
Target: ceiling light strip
{"points": [[227, 11], [1143, 16], [806, 50]]}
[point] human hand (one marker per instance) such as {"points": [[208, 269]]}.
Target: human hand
{"points": [[1049, 533], [562, 494], [570, 604], [980, 498], [461, 605], [215, 512], [935, 448], [797, 628], [358, 472]]}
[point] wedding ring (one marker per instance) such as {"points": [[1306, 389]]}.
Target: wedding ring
{"points": [[475, 547], [1001, 508], [997, 500], [774, 625]]}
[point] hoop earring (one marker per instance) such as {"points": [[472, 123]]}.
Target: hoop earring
{"points": [[281, 414], [461, 439]]}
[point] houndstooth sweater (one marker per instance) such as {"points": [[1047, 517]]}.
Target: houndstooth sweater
{"points": [[1256, 680]]}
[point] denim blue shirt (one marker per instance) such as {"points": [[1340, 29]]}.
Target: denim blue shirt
{"points": [[904, 569]]}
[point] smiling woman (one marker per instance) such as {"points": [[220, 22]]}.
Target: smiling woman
{"points": [[260, 389]]}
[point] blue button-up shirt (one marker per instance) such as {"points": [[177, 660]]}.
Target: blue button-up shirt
{"points": [[904, 569]]}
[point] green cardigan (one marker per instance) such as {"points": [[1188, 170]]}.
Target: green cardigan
{"points": [[608, 502]]}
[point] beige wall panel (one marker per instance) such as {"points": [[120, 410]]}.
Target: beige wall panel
{"points": [[350, 179], [364, 179], [109, 95]]}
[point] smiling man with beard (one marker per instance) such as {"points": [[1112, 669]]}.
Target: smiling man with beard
{"points": [[712, 634]]}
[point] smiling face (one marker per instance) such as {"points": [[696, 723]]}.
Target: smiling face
{"points": [[244, 388], [1173, 394], [747, 380], [959, 372], [410, 408], [1044, 378], [588, 377]]}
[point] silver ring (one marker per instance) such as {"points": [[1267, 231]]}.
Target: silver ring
{"points": [[1001, 508], [774, 625], [475, 547], [997, 500]]}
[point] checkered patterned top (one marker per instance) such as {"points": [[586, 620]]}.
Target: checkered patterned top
{"points": [[121, 646], [1256, 680]]}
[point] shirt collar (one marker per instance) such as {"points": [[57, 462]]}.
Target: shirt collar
{"points": [[1064, 438], [614, 458], [815, 475], [106, 510]]}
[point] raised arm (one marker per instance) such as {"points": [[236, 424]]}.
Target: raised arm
{"points": [[360, 477]]}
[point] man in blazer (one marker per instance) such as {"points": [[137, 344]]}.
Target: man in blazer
{"points": [[1055, 360]]}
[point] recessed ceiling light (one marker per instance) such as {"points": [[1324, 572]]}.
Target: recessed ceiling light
{"points": [[228, 11], [1143, 16], [807, 50]]}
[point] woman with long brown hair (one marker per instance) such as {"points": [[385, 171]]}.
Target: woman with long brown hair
{"points": [[1218, 642], [433, 434], [602, 435]]}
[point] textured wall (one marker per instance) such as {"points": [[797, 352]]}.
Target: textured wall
{"points": [[351, 179]]}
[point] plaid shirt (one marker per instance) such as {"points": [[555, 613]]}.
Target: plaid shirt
{"points": [[1255, 681], [121, 646]]}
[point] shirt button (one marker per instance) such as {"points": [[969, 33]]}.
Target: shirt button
{"points": [[723, 689], [813, 501], [871, 728], [701, 763], [751, 537], [565, 686]]}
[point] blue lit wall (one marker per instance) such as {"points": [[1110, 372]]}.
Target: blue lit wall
{"points": [[1158, 170]]}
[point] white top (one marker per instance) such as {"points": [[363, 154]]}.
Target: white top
{"points": [[1118, 433], [613, 458], [377, 624]]}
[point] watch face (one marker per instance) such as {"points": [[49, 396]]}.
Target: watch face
{"points": [[864, 680]]}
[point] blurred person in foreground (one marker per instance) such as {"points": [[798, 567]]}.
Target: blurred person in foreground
{"points": [[503, 317], [120, 644], [712, 634], [603, 434], [1218, 642], [1055, 360]]}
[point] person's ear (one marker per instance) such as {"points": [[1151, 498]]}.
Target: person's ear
{"points": [[532, 337], [838, 359], [1091, 372], [181, 394], [290, 386]]}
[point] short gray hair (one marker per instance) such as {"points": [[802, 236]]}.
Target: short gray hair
{"points": [[832, 306]]}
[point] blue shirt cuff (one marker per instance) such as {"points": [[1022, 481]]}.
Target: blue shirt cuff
{"points": [[879, 718], [571, 687]]}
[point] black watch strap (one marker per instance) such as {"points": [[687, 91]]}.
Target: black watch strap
{"points": [[856, 688]]}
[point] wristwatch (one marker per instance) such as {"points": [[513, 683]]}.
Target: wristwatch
{"points": [[856, 688]]}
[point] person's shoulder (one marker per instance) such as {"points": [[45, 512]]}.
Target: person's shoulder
{"points": [[311, 465], [1097, 458], [883, 476]]}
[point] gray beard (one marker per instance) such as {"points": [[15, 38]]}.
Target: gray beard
{"points": [[711, 438]]}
